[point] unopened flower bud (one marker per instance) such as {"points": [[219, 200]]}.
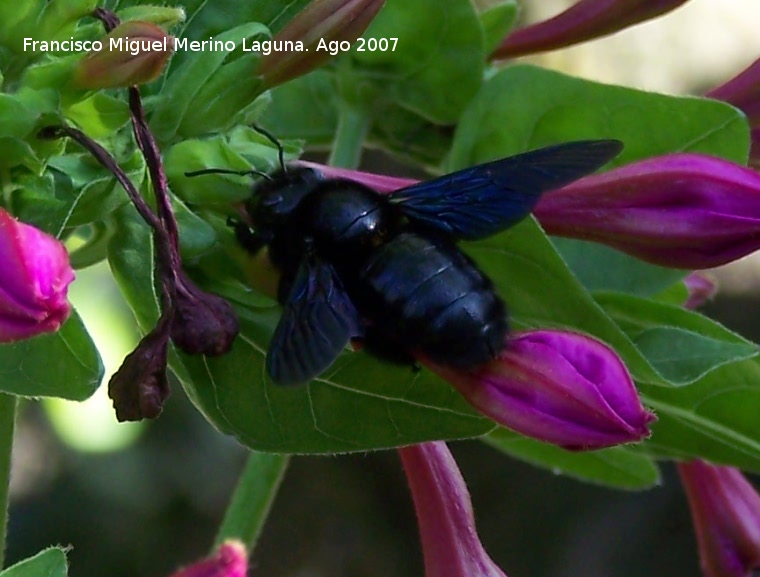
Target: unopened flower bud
{"points": [[204, 323], [701, 288], [743, 91], [725, 510], [322, 21], [559, 387], [229, 560], [133, 53], [34, 281], [140, 387], [583, 21], [450, 543], [680, 210]]}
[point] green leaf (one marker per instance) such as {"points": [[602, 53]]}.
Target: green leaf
{"points": [[523, 107], [682, 345], [196, 236], [130, 256], [63, 364], [396, 405], [305, 107], [190, 102], [714, 418], [440, 46], [618, 467], [48, 563], [100, 115], [601, 268], [497, 20], [541, 292], [79, 191]]}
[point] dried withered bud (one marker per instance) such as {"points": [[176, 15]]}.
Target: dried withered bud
{"points": [[204, 323], [140, 387]]}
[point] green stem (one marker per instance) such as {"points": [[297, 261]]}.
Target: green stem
{"points": [[7, 425], [353, 125], [252, 499]]}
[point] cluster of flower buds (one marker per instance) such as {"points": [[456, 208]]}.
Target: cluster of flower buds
{"points": [[196, 322]]}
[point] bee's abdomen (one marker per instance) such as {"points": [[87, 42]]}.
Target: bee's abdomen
{"points": [[428, 297]]}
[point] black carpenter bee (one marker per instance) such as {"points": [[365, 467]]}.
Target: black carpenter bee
{"points": [[385, 269]]}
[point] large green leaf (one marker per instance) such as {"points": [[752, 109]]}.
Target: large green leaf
{"points": [[440, 46], [63, 364], [523, 107], [619, 467], [48, 563], [358, 404], [714, 418], [209, 91], [541, 292], [600, 267], [682, 345]]}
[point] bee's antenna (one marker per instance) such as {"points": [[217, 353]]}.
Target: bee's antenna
{"points": [[225, 171], [273, 140]]}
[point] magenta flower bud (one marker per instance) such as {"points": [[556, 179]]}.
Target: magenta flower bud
{"points": [[583, 21], [680, 210], [450, 543], [229, 560], [323, 27], [725, 509], [34, 281], [701, 288], [559, 387], [743, 91], [378, 182]]}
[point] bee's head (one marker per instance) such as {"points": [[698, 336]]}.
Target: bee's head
{"points": [[276, 198]]}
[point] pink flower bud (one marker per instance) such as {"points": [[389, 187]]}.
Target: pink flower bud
{"points": [[229, 560], [450, 542], [583, 21], [559, 387], [701, 288], [378, 182], [725, 509], [322, 21], [35, 279], [743, 91], [680, 210], [140, 51]]}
